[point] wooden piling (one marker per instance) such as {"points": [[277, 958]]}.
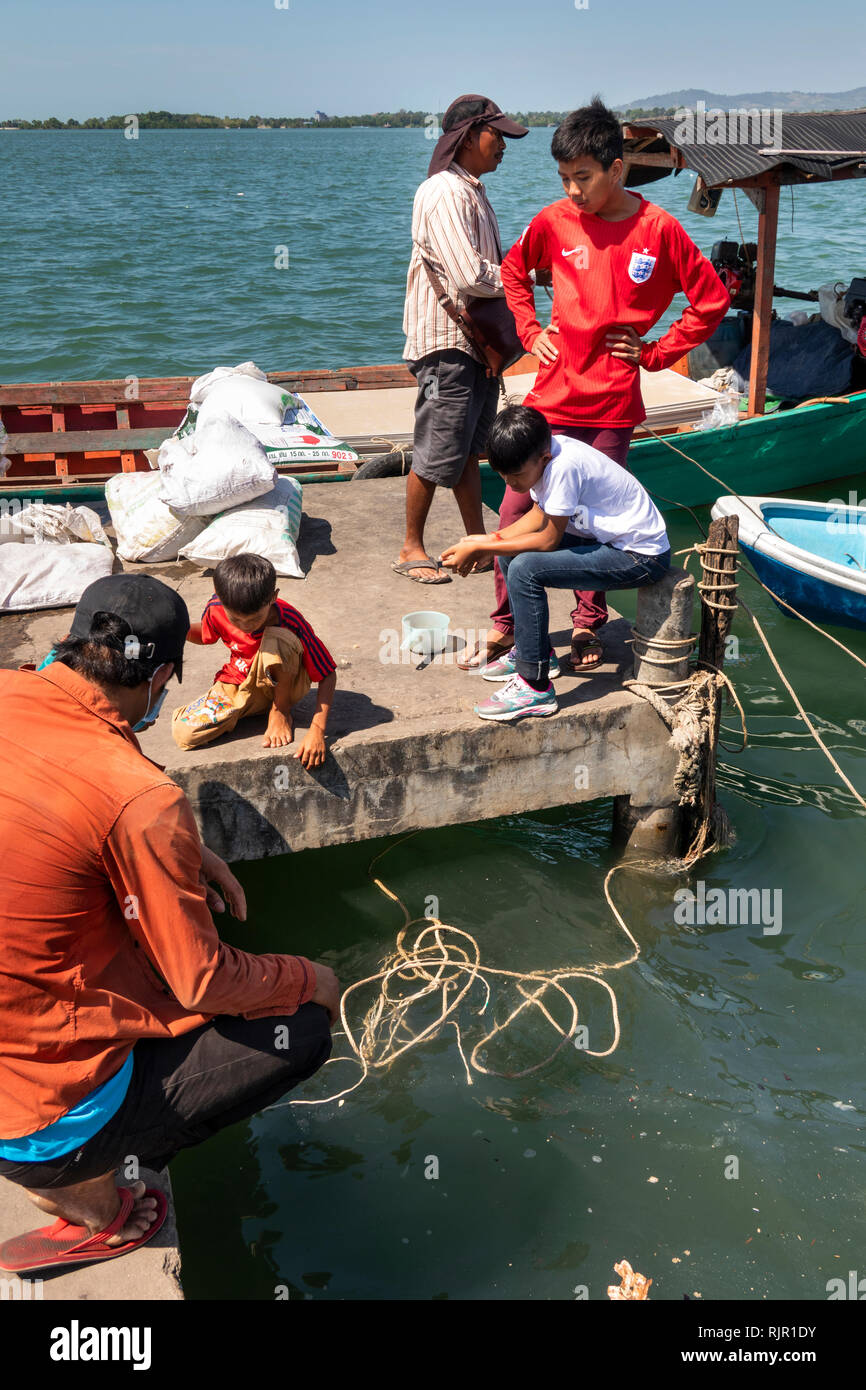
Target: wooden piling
{"points": [[718, 603]]}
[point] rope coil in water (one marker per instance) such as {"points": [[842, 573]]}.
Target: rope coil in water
{"points": [[443, 963]]}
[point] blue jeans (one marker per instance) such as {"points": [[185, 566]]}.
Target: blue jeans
{"points": [[575, 564]]}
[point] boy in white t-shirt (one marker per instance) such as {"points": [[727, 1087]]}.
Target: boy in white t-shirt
{"points": [[593, 526]]}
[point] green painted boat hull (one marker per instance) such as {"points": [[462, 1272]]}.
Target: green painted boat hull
{"points": [[765, 456]]}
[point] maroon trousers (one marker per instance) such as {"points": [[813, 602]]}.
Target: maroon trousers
{"points": [[591, 610]]}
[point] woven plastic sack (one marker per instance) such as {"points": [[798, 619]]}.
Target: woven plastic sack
{"points": [[52, 574], [268, 526], [227, 468], [145, 527]]}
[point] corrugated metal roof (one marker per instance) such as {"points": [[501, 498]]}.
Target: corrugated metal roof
{"points": [[723, 147]]}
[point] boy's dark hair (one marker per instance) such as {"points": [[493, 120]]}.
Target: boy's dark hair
{"points": [[100, 657], [592, 130], [518, 434], [244, 583]]}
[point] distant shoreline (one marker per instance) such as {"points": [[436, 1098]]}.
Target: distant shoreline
{"points": [[167, 120]]}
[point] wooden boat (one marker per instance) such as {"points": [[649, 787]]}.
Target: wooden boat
{"points": [[67, 438], [813, 554]]}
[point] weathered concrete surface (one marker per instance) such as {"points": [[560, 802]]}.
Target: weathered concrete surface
{"points": [[406, 750], [151, 1273]]}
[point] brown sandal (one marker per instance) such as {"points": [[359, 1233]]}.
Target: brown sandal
{"points": [[484, 652], [585, 643]]}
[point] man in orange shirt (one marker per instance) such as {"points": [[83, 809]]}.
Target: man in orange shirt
{"points": [[128, 1029]]}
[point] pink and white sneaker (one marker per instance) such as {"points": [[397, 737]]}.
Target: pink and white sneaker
{"points": [[516, 699], [504, 667]]}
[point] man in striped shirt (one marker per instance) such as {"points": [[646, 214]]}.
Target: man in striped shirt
{"points": [[455, 234]]}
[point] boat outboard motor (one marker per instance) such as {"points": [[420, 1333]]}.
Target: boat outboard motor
{"points": [[735, 266]]}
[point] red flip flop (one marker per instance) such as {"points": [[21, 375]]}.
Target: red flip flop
{"points": [[65, 1244]]}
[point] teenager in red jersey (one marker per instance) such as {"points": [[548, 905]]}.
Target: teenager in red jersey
{"points": [[617, 261]]}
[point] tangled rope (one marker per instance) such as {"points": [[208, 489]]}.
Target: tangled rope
{"points": [[443, 963]]}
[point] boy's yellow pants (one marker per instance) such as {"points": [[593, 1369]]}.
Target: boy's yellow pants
{"points": [[220, 709]]}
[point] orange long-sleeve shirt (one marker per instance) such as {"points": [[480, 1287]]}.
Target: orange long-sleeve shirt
{"points": [[105, 932], [607, 275]]}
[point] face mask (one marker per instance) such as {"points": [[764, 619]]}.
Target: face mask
{"points": [[150, 716]]}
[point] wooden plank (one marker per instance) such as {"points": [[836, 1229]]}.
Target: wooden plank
{"points": [[768, 222], [159, 389], [653, 161], [92, 441]]}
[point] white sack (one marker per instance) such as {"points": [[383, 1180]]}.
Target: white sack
{"points": [[252, 402], [203, 384], [227, 468], [146, 529], [50, 575], [268, 526]]}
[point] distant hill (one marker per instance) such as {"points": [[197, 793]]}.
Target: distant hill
{"points": [[785, 101]]}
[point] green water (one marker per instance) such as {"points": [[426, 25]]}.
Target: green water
{"points": [[735, 1045], [139, 258]]}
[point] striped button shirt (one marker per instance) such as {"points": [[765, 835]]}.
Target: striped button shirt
{"points": [[454, 225]]}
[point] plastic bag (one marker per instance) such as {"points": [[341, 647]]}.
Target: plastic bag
{"points": [[725, 412], [227, 468], [146, 529], [35, 522], [268, 526]]}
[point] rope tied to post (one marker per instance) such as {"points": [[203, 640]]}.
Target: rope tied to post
{"points": [[692, 714]]}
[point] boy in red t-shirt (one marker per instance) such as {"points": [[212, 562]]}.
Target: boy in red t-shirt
{"points": [[274, 655], [617, 261]]}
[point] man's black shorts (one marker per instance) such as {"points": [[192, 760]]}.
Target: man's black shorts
{"points": [[185, 1089], [456, 405]]}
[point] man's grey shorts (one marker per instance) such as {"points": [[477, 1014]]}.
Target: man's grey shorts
{"points": [[456, 405]]}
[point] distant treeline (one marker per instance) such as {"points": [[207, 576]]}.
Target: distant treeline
{"points": [[170, 120]]}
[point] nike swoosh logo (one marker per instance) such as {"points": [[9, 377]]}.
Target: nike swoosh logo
{"points": [[574, 252]]}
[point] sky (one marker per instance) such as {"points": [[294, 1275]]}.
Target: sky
{"points": [[348, 57]]}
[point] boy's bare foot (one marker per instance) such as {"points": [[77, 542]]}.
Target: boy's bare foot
{"points": [[279, 732]]}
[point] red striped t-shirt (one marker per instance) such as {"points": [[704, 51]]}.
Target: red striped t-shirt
{"points": [[606, 275], [215, 627]]}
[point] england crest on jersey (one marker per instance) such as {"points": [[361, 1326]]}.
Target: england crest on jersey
{"points": [[641, 266]]}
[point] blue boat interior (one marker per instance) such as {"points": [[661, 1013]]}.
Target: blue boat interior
{"points": [[838, 535]]}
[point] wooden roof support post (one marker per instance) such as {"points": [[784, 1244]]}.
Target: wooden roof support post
{"points": [[768, 222]]}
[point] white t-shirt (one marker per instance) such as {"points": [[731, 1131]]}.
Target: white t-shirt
{"points": [[602, 501]]}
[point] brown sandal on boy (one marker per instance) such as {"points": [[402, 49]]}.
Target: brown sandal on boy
{"points": [[485, 651], [585, 643]]}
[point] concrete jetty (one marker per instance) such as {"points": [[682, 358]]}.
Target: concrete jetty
{"points": [[406, 750]]}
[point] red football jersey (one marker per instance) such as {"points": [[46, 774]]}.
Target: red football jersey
{"points": [[606, 275]]}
